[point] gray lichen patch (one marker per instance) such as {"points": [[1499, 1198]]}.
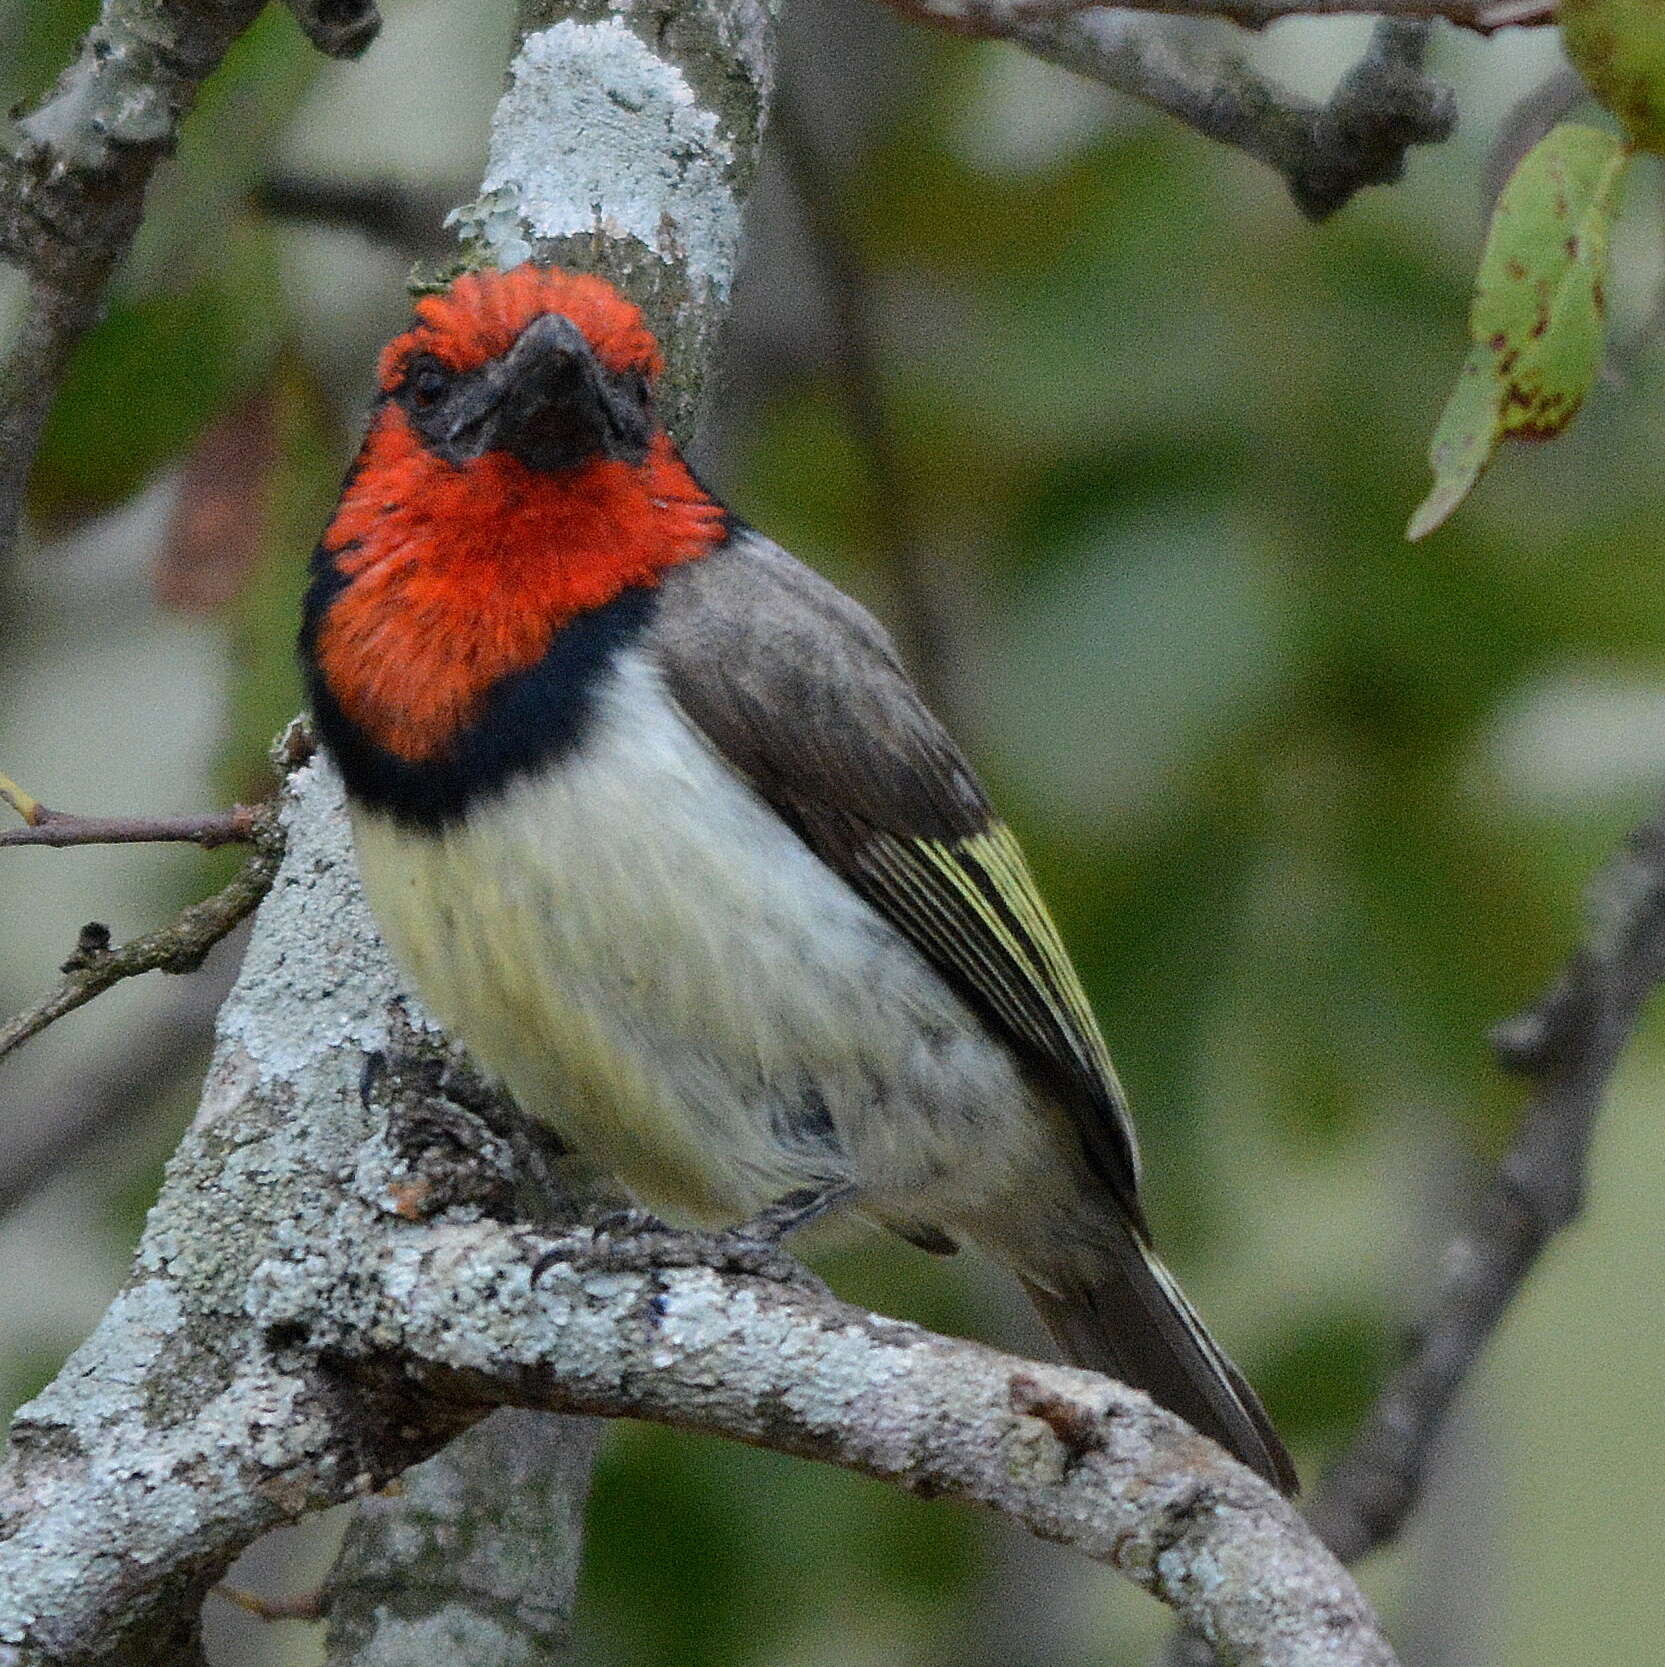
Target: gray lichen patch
{"points": [[316, 956], [137, 1328], [598, 134]]}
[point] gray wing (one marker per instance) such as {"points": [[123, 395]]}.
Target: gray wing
{"points": [[799, 689]]}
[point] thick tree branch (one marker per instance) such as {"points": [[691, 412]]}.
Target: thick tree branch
{"points": [[1009, 19], [475, 1558], [601, 93], [1326, 152], [184, 1436], [326, 1293], [1070, 1456], [72, 191]]}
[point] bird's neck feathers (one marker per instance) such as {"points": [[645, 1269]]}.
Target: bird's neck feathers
{"points": [[448, 580]]}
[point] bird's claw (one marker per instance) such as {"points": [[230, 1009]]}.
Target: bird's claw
{"points": [[658, 1248]]}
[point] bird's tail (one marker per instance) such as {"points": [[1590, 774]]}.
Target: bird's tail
{"points": [[1128, 1318]]}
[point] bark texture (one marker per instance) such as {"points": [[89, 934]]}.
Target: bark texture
{"points": [[336, 1281]]}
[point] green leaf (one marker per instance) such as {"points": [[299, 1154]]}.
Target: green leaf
{"points": [[1536, 324], [1468, 430], [139, 388], [1540, 300], [149, 377]]}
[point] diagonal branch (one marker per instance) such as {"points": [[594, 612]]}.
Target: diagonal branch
{"points": [[328, 1291], [72, 191], [211, 829], [1326, 152], [1569, 1046], [95, 967], [1066, 1454]]}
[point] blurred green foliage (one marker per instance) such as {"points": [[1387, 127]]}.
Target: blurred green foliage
{"points": [[1313, 805], [93, 454]]}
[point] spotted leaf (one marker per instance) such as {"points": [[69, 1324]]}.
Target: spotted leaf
{"points": [[1536, 324]]}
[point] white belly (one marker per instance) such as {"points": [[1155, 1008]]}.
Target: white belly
{"points": [[656, 965]]}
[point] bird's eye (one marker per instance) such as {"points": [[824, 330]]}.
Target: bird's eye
{"points": [[426, 384]]}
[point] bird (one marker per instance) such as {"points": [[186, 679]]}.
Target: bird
{"points": [[654, 821]]}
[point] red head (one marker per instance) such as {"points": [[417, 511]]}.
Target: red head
{"points": [[513, 477]]}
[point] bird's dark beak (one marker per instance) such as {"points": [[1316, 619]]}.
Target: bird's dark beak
{"points": [[548, 402]]}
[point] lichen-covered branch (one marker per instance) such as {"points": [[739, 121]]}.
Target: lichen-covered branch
{"points": [[177, 1433], [1326, 152], [72, 190], [1004, 19], [336, 1281], [626, 144], [1071, 1456], [475, 1559]]}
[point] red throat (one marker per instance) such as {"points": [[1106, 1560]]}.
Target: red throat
{"points": [[460, 576]]}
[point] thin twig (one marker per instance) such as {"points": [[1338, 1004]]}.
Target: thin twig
{"points": [[1569, 1045], [923, 627], [237, 826], [179, 948], [1527, 121], [386, 210], [308, 1606]]}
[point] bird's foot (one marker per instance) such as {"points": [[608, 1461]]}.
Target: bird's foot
{"points": [[775, 1222], [651, 1252], [628, 1224], [632, 1241]]}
